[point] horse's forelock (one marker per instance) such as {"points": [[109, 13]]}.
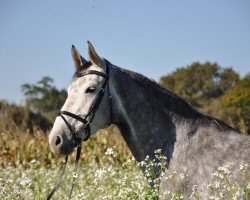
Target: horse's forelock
{"points": [[82, 68]]}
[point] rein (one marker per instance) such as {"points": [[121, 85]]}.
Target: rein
{"points": [[86, 122]]}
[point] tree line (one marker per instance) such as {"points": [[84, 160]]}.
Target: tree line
{"points": [[214, 90]]}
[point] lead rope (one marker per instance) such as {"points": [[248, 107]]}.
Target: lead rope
{"points": [[59, 180], [78, 154]]}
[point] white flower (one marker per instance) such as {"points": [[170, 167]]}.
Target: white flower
{"points": [[75, 175], [142, 163], [215, 174], [158, 151], [33, 161], [111, 151], [25, 181], [195, 188], [244, 167], [214, 198], [182, 176], [99, 173], [248, 186], [224, 169], [217, 184]]}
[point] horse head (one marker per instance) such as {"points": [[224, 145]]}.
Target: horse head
{"points": [[87, 107]]}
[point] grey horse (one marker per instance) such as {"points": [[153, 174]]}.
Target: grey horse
{"points": [[150, 117]]}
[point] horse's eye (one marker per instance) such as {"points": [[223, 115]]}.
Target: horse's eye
{"points": [[90, 90]]}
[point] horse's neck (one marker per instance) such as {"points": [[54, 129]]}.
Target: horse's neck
{"points": [[147, 117]]}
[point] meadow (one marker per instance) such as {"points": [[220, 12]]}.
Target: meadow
{"points": [[107, 171]]}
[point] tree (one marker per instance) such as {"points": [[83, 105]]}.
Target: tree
{"points": [[44, 98], [238, 98], [199, 83]]}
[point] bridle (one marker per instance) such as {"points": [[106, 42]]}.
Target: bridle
{"points": [[86, 123], [91, 114]]}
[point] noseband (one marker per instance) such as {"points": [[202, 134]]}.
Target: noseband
{"points": [[86, 123]]}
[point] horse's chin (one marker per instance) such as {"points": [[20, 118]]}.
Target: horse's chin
{"points": [[66, 151]]}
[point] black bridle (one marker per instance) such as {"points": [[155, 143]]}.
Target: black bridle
{"points": [[91, 114], [86, 123]]}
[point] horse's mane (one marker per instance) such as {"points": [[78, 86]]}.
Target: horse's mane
{"points": [[150, 83]]}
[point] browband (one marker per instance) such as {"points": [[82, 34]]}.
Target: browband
{"points": [[80, 74]]}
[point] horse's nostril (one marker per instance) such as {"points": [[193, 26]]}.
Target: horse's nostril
{"points": [[58, 140]]}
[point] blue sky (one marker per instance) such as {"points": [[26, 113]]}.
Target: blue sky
{"points": [[146, 36]]}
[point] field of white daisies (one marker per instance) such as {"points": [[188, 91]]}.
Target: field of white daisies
{"points": [[29, 170]]}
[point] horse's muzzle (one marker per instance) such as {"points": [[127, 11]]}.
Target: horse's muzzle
{"points": [[62, 144]]}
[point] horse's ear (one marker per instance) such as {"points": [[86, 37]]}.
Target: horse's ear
{"points": [[78, 59], [93, 55]]}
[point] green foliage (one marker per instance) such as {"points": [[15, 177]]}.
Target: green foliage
{"points": [[200, 82], [238, 98], [44, 97]]}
